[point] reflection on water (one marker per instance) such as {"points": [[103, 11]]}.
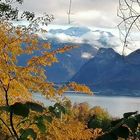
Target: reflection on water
{"points": [[116, 106]]}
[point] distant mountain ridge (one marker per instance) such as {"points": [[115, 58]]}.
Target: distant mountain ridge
{"points": [[72, 31], [110, 73], [71, 62]]}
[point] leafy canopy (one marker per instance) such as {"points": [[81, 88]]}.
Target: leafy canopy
{"points": [[15, 79], [18, 83]]}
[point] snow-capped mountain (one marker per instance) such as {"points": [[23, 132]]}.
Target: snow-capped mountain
{"points": [[97, 62], [72, 31], [88, 40], [76, 34], [110, 73]]}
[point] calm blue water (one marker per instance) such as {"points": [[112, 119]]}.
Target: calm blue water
{"points": [[115, 105]]}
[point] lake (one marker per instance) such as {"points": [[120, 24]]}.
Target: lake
{"points": [[115, 105]]}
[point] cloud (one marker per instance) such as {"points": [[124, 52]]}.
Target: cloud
{"points": [[93, 18], [66, 38], [86, 55], [100, 13], [96, 38]]}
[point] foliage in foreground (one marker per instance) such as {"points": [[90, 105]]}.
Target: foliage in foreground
{"points": [[127, 127], [65, 121], [18, 83], [57, 122]]}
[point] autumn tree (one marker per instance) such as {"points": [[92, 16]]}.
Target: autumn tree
{"points": [[66, 125], [18, 83]]}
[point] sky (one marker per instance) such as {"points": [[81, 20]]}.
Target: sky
{"points": [[97, 13]]}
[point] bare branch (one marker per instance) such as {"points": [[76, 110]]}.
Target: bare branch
{"points": [[130, 19]]}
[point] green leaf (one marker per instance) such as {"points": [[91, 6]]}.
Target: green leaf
{"points": [[41, 127], [51, 109], [26, 133], [94, 123], [35, 107], [57, 110], [138, 118], [5, 108], [48, 118], [132, 124], [116, 122], [122, 132], [57, 113], [108, 136], [20, 109], [60, 108], [39, 121], [128, 114], [22, 122]]}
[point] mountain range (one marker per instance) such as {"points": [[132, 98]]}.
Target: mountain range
{"points": [[70, 62], [95, 62], [110, 73], [89, 41]]}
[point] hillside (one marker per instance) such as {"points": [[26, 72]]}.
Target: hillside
{"points": [[110, 73]]}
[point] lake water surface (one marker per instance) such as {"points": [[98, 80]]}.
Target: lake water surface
{"points": [[115, 105]]}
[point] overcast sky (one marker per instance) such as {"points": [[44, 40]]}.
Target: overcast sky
{"points": [[99, 13]]}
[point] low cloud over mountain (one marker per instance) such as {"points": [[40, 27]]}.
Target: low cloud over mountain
{"points": [[110, 73]]}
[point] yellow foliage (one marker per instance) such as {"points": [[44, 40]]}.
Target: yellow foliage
{"points": [[62, 90], [100, 112], [70, 130], [14, 79], [17, 83], [81, 111], [80, 88], [46, 46]]}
